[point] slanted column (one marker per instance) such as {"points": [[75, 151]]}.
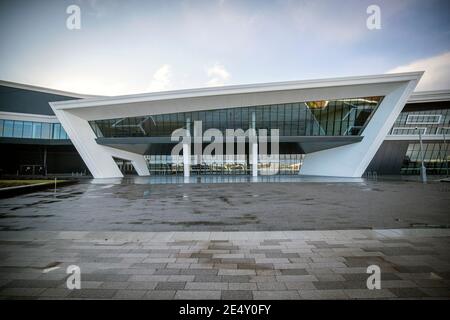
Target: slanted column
{"points": [[140, 165], [187, 150]]}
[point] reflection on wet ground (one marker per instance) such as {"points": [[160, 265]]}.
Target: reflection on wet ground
{"points": [[220, 179], [135, 206]]}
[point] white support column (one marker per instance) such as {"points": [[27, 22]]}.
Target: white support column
{"points": [[254, 145], [186, 159], [198, 141], [187, 150], [140, 165], [137, 160], [254, 159], [96, 157]]}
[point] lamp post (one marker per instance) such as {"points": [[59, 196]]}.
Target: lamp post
{"points": [[445, 154], [423, 170]]}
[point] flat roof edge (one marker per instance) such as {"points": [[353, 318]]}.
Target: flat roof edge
{"points": [[429, 96], [45, 90]]}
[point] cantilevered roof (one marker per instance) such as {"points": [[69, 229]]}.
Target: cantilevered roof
{"points": [[237, 89], [25, 98]]}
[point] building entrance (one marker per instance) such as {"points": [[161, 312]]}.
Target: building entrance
{"points": [[286, 164]]}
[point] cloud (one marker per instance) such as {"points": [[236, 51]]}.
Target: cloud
{"points": [[161, 79], [217, 75], [437, 72]]}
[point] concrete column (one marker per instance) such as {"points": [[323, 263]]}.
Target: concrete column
{"points": [[198, 140], [187, 150], [186, 159], [137, 160], [254, 159], [254, 146], [140, 165]]}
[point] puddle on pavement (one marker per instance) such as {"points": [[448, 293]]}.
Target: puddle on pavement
{"points": [[9, 228], [6, 216], [195, 223], [431, 226], [28, 205], [248, 216], [226, 200]]}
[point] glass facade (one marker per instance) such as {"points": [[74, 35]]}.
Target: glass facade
{"points": [[429, 122], [436, 158], [343, 117], [314, 118], [31, 130], [163, 164]]}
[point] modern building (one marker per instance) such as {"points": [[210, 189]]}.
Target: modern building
{"points": [[32, 141], [340, 127]]}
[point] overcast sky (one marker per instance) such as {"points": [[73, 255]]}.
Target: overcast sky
{"points": [[133, 46]]}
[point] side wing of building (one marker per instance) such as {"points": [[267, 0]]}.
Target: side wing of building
{"points": [[427, 114], [32, 140]]}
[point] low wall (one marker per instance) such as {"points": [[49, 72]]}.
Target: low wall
{"points": [[18, 190]]}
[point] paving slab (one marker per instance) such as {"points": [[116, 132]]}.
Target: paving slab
{"points": [[31, 266]]}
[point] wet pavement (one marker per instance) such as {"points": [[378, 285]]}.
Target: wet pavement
{"points": [[245, 206], [237, 241]]}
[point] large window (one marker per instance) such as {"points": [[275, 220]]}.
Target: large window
{"points": [[27, 129], [18, 129], [37, 128], [314, 118], [163, 164], [427, 122], [31, 130], [436, 158], [8, 128], [46, 131]]}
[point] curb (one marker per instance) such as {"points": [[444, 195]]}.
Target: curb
{"points": [[19, 190]]}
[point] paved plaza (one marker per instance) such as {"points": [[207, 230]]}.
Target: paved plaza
{"points": [[292, 240], [130, 206], [226, 265]]}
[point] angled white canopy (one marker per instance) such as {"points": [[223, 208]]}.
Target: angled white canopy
{"points": [[343, 161]]}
